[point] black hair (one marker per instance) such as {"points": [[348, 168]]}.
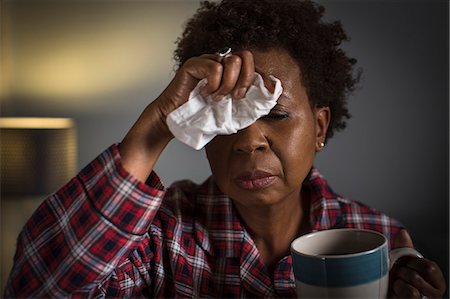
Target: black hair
{"points": [[327, 73]]}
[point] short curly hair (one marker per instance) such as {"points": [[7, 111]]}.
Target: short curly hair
{"points": [[327, 73]]}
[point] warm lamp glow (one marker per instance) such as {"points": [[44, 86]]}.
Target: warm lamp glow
{"points": [[37, 155], [35, 123], [69, 54]]}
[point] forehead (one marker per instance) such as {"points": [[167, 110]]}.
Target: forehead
{"points": [[279, 63]]}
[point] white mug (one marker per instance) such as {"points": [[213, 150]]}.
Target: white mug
{"points": [[343, 263]]}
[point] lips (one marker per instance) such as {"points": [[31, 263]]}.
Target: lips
{"points": [[257, 179]]}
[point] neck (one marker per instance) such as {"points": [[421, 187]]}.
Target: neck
{"points": [[274, 227]]}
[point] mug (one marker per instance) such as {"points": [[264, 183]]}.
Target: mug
{"points": [[343, 263]]}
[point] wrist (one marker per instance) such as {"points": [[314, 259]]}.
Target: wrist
{"points": [[144, 143], [159, 113]]}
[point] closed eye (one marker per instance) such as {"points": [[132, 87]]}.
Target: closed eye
{"points": [[275, 115]]}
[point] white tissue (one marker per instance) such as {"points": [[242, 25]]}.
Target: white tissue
{"points": [[199, 120]]}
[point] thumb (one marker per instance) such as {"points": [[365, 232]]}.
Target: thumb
{"points": [[403, 239]]}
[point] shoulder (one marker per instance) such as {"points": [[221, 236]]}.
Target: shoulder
{"points": [[359, 215], [331, 210]]}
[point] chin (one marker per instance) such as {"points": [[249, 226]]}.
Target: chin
{"points": [[259, 198]]}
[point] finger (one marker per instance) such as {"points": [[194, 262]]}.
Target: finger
{"points": [[403, 239], [402, 289], [429, 271], [230, 75], [205, 66], [246, 76], [411, 277]]}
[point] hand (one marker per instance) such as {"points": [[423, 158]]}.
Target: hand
{"points": [[143, 144], [414, 277], [230, 74]]}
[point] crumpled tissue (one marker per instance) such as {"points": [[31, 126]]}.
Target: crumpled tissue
{"points": [[200, 119]]}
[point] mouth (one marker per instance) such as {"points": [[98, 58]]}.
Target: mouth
{"points": [[257, 179]]}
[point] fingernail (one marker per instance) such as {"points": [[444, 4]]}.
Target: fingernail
{"points": [[203, 90], [240, 93], [218, 97]]}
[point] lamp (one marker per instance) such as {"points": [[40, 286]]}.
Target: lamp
{"points": [[37, 157]]}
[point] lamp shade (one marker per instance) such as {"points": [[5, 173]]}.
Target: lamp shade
{"points": [[38, 155]]}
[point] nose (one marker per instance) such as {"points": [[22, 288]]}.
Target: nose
{"points": [[250, 139]]}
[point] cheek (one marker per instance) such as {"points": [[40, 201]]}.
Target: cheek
{"points": [[216, 153], [297, 151], [211, 155]]}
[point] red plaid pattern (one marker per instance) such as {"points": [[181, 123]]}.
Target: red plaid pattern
{"points": [[105, 234]]}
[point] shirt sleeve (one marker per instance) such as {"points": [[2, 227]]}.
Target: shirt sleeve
{"points": [[74, 241]]}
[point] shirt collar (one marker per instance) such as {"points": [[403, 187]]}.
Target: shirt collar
{"points": [[220, 233], [325, 209], [217, 227]]}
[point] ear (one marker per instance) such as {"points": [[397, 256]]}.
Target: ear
{"points": [[323, 117]]}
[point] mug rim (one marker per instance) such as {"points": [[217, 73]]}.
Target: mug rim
{"points": [[338, 256]]}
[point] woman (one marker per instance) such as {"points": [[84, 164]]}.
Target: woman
{"points": [[106, 233]]}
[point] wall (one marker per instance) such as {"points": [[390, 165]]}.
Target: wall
{"points": [[394, 153], [102, 62]]}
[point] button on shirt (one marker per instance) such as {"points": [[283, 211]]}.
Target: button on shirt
{"points": [[106, 234]]}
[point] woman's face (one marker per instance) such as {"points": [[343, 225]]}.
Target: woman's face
{"points": [[266, 163]]}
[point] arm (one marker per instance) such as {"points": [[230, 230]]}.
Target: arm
{"points": [[77, 237], [148, 137], [75, 241], [413, 277]]}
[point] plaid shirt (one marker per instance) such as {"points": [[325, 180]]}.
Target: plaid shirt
{"points": [[106, 234]]}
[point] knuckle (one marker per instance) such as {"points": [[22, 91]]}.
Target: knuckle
{"points": [[216, 67], [246, 54], [225, 88], [430, 269], [413, 293], [249, 78], [234, 60], [406, 291], [415, 278], [188, 64], [409, 275], [190, 60], [246, 79]]}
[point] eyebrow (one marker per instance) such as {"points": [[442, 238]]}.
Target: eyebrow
{"points": [[281, 105], [285, 95]]}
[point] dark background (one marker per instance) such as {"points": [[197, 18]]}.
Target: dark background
{"points": [[102, 62], [394, 153]]}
